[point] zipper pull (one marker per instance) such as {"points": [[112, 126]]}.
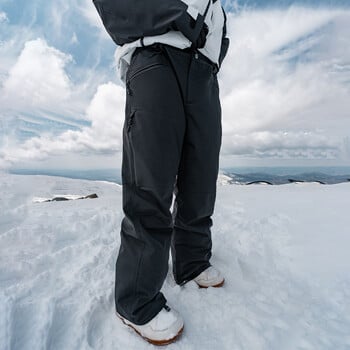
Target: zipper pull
{"points": [[128, 89], [130, 121]]}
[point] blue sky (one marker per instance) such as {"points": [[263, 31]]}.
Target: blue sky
{"points": [[284, 85]]}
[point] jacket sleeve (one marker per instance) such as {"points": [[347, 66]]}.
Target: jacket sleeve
{"points": [[129, 20], [225, 41]]}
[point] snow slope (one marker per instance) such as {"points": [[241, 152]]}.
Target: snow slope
{"points": [[283, 250]]}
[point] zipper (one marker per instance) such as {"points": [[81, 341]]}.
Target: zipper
{"points": [[130, 78], [130, 121], [128, 90], [132, 156], [215, 67]]}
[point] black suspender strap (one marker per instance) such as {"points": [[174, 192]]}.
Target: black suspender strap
{"points": [[206, 10], [142, 43]]}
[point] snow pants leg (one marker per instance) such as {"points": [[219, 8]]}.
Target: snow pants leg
{"points": [[171, 145]]}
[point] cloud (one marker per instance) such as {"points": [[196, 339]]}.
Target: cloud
{"points": [[285, 83], [38, 90], [284, 88], [282, 144], [3, 17], [60, 24], [74, 39], [38, 78], [103, 136], [88, 10]]}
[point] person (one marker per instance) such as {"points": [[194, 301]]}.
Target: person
{"points": [[168, 57]]}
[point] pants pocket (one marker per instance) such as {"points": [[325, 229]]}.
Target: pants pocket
{"points": [[145, 59]]}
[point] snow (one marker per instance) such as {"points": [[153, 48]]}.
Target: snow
{"points": [[283, 250]]}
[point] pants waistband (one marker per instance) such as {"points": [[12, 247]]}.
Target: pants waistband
{"points": [[189, 50]]}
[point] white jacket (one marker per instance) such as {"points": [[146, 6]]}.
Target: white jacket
{"points": [[215, 19]]}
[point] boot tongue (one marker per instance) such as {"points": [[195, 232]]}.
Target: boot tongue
{"points": [[211, 272], [163, 320]]}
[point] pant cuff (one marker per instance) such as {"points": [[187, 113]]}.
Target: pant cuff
{"points": [[193, 275]]}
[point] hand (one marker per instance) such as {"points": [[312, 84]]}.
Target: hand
{"points": [[202, 38]]}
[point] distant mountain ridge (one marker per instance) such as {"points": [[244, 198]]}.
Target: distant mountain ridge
{"points": [[240, 176], [274, 179]]}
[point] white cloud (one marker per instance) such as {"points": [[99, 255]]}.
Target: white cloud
{"points": [[284, 90], [74, 39], [104, 136], [286, 71], [89, 13], [282, 144], [59, 11], [3, 17], [88, 10], [38, 84], [38, 78]]}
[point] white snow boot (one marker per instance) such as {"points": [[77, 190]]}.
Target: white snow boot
{"points": [[210, 277], [163, 329]]}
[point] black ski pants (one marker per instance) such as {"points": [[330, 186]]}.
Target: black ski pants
{"points": [[171, 144]]}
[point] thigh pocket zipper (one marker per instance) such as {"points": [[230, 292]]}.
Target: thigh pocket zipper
{"points": [[141, 70], [130, 120]]}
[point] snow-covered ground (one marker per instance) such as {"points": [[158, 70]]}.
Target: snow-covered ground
{"points": [[284, 251]]}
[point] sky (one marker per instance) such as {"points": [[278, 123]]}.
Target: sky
{"points": [[284, 85]]}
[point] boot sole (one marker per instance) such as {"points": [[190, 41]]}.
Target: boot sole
{"points": [[153, 341], [215, 285]]}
